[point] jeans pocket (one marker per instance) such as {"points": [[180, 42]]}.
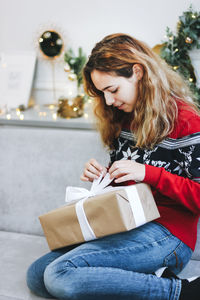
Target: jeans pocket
{"points": [[178, 258]]}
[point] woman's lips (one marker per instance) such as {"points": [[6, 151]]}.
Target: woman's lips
{"points": [[120, 106]]}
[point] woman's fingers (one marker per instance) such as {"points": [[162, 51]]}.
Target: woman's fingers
{"points": [[84, 178], [92, 170], [135, 171], [118, 168], [124, 178]]}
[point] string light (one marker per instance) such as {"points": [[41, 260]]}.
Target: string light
{"points": [[54, 116], [175, 67], [42, 113], [8, 116], [191, 79], [86, 116], [18, 112], [51, 106]]}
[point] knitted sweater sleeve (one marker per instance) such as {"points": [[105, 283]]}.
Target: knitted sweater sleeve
{"points": [[179, 189], [185, 191]]}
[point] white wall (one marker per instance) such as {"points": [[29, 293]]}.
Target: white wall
{"points": [[83, 23]]}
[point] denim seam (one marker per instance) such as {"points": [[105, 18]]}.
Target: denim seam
{"points": [[172, 253], [177, 290]]}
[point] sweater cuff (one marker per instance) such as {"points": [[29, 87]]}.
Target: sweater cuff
{"points": [[152, 175]]}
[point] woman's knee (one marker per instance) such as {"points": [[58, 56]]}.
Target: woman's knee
{"points": [[35, 280], [58, 280], [35, 273]]}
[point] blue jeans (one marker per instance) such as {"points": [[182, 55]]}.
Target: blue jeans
{"points": [[118, 267]]}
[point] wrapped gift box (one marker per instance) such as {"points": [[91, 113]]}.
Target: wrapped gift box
{"points": [[110, 211]]}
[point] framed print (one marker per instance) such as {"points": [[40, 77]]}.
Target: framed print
{"points": [[16, 77]]}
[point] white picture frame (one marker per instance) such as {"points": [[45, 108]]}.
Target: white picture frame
{"points": [[16, 77]]}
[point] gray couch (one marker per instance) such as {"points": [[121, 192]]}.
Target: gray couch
{"points": [[36, 165]]}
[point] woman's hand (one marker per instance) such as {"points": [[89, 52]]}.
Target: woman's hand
{"points": [[124, 170], [92, 170]]}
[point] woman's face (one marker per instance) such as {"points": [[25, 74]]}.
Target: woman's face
{"points": [[119, 91]]}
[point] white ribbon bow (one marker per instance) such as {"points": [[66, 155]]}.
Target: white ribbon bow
{"points": [[79, 195], [74, 194], [99, 186]]}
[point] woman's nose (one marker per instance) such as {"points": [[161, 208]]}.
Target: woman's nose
{"points": [[109, 99]]}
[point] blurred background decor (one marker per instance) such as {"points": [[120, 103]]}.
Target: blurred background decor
{"points": [[71, 109], [49, 29], [182, 49], [74, 65], [51, 46], [72, 105], [16, 77]]}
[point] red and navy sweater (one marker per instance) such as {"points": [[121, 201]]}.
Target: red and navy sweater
{"points": [[173, 172]]}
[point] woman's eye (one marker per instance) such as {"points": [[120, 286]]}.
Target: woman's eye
{"points": [[114, 91]]}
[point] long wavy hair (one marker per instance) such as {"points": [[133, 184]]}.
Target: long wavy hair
{"points": [[155, 112]]}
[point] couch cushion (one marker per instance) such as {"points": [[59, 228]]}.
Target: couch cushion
{"points": [[17, 252], [196, 254], [192, 269]]}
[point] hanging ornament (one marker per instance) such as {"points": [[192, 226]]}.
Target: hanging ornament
{"points": [[188, 40], [72, 76], [179, 25], [66, 67]]}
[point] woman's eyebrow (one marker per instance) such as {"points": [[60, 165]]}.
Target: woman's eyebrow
{"points": [[107, 87]]}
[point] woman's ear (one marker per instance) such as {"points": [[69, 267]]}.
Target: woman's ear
{"points": [[138, 71]]}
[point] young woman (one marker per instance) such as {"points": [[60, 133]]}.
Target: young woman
{"points": [[149, 122]]}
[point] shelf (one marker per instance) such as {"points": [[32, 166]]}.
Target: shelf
{"points": [[44, 117]]}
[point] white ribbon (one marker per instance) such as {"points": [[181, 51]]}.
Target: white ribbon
{"points": [[136, 205], [74, 194], [79, 195], [99, 186]]}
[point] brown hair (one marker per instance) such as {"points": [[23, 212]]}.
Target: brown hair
{"points": [[159, 90]]}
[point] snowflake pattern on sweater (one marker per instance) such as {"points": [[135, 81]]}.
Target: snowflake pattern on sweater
{"points": [[178, 156]]}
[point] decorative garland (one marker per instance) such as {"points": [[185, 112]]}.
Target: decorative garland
{"points": [[74, 64], [176, 50]]}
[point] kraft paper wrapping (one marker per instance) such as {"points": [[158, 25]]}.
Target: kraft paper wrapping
{"points": [[108, 213]]}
